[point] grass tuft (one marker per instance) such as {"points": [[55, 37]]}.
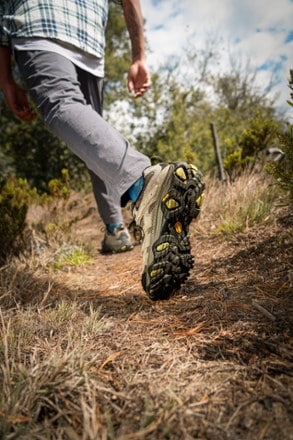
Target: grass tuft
{"points": [[235, 207], [71, 256]]}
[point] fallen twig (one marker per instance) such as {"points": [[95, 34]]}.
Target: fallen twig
{"points": [[264, 311]]}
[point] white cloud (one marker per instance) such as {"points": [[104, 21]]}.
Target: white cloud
{"points": [[255, 29]]}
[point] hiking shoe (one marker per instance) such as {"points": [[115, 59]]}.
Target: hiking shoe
{"points": [[170, 199], [118, 241]]}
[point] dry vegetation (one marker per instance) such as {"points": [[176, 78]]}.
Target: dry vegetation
{"points": [[86, 355]]}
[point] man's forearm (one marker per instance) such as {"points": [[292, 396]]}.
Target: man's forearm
{"points": [[134, 22], [6, 67]]}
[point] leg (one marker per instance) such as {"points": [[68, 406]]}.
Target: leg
{"points": [[92, 89], [53, 84]]}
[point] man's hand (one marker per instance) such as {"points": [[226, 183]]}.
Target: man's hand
{"points": [[138, 78], [17, 101], [14, 95]]}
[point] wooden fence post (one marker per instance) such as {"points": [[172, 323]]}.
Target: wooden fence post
{"points": [[218, 153]]}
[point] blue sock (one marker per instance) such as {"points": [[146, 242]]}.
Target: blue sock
{"points": [[112, 226], [135, 190]]}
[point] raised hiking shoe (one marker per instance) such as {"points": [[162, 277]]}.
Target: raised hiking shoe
{"points": [[118, 241], [170, 199]]}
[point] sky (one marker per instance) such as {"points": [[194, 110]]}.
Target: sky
{"points": [[258, 31]]}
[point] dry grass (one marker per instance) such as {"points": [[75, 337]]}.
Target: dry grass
{"points": [[233, 207], [85, 355]]}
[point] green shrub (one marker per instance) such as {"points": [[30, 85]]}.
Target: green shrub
{"points": [[282, 171], [57, 189], [234, 164], [260, 133], [6, 166], [55, 222], [35, 154], [15, 195]]}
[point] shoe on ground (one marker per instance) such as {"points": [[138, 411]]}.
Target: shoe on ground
{"points": [[170, 199], [118, 241]]}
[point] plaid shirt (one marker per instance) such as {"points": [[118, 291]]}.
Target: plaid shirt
{"points": [[78, 22]]}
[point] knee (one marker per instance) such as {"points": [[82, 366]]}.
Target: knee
{"points": [[55, 100]]}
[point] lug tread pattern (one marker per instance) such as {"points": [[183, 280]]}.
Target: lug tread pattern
{"points": [[172, 258]]}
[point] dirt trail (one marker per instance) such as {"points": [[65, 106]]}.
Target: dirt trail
{"points": [[213, 362]]}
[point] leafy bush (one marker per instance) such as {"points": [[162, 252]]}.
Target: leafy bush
{"points": [[282, 171], [234, 162], [260, 133], [55, 223], [35, 154], [6, 166], [58, 188], [15, 195]]}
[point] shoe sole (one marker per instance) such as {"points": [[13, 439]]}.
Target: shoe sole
{"points": [[125, 248], [171, 258]]}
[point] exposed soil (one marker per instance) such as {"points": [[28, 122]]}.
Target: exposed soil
{"points": [[215, 360]]}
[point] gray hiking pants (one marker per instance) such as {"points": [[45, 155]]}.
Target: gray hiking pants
{"points": [[70, 101]]}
